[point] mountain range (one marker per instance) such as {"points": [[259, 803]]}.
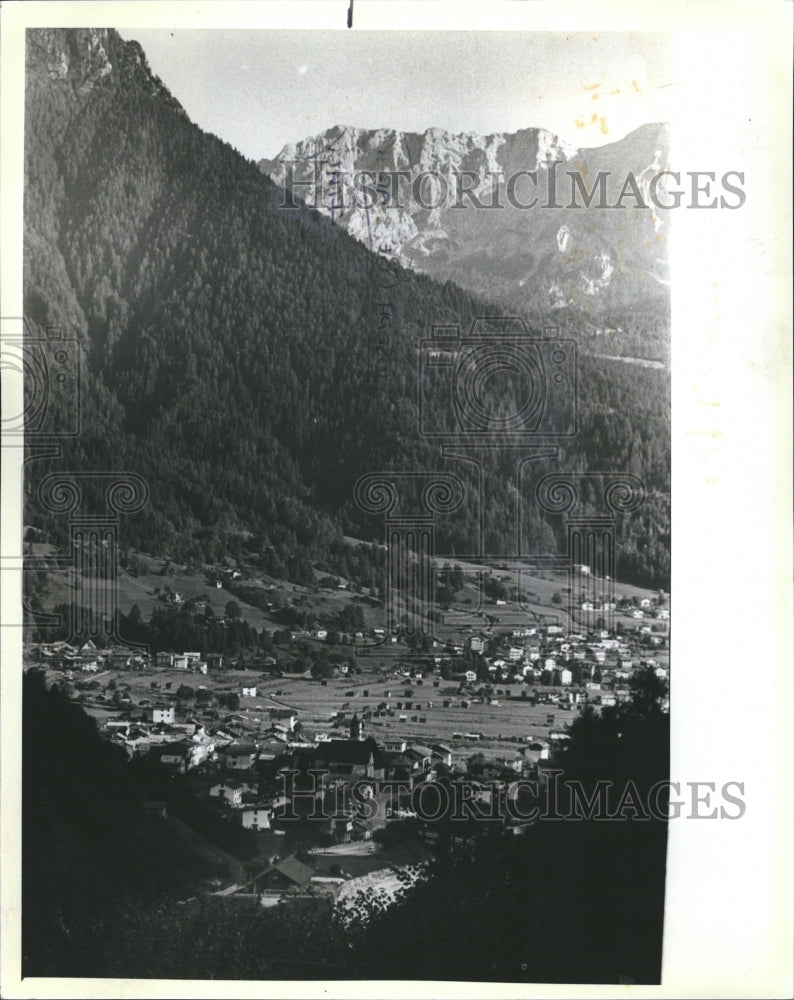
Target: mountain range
{"points": [[500, 214]]}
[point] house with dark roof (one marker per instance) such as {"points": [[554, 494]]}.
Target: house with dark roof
{"points": [[287, 717], [349, 758], [238, 756], [287, 875], [398, 767], [254, 816], [179, 756], [442, 753], [230, 791], [422, 756]]}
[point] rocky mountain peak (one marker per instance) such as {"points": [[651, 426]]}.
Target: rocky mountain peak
{"points": [[87, 58], [458, 206], [80, 55]]}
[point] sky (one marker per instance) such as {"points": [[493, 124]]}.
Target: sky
{"points": [[260, 89]]}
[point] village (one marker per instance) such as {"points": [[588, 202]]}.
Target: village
{"points": [[231, 732]]}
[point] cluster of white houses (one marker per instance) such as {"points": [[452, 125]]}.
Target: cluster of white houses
{"points": [[88, 658], [548, 662], [548, 655]]}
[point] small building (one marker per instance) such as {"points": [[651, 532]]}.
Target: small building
{"points": [[421, 755], [536, 751], [287, 875], [351, 758], [286, 717], [180, 756], [254, 817], [230, 791], [161, 713], [238, 756]]}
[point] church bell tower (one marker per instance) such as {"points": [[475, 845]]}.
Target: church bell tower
{"points": [[356, 728]]}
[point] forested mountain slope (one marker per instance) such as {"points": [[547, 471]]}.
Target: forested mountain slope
{"points": [[233, 355]]}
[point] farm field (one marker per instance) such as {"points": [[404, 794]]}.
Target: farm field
{"points": [[506, 726], [513, 719], [496, 730]]}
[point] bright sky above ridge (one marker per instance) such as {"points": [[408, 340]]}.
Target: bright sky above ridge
{"points": [[261, 89]]}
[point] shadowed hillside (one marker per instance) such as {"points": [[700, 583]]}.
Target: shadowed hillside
{"points": [[233, 353]]}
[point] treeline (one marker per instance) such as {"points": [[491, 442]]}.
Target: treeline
{"points": [[168, 628], [185, 627]]}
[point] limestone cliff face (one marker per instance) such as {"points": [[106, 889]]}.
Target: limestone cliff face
{"points": [[459, 207], [88, 58], [80, 55]]}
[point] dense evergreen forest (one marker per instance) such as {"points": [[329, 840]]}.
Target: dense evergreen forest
{"points": [[233, 353]]}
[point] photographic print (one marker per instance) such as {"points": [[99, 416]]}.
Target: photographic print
{"points": [[347, 640]]}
